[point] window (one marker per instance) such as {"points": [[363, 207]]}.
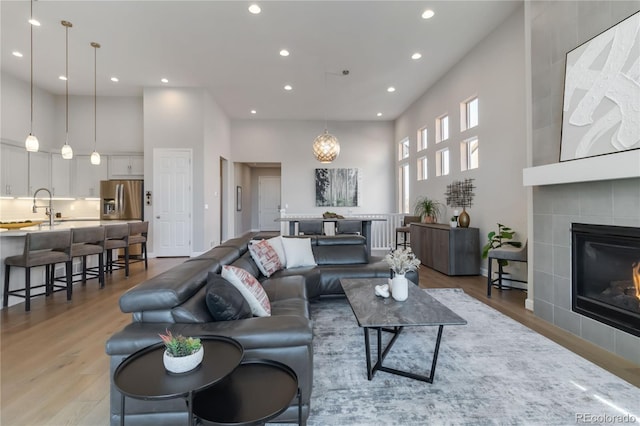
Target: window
{"points": [[469, 114], [469, 154], [422, 168], [422, 139], [403, 149], [403, 188], [442, 162], [442, 128]]}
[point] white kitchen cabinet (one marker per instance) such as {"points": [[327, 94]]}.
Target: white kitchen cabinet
{"points": [[60, 176], [87, 176], [15, 171], [39, 171], [126, 166]]}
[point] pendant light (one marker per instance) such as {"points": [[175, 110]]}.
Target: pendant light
{"points": [[31, 143], [95, 156], [67, 152], [326, 146]]}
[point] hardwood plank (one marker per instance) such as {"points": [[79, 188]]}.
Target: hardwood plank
{"points": [[65, 377]]}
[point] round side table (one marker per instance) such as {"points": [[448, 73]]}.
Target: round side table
{"points": [[256, 392], [142, 375]]}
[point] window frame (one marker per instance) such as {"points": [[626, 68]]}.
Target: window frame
{"points": [[422, 168], [466, 156], [403, 153], [443, 167], [442, 131], [423, 138], [466, 115]]}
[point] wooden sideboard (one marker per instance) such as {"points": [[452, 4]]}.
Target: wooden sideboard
{"points": [[452, 251]]}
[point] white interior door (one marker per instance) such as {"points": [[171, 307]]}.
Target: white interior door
{"points": [[172, 197], [268, 203]]}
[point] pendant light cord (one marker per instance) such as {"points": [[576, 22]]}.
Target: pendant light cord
{"points": [[31, 27], [95, 95], [67, 80]]}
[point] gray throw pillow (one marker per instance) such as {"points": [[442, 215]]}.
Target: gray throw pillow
{"points": [[224, 301]]}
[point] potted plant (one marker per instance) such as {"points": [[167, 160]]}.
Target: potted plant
{"points": [[453, 222], [181, 353], [498, 239], [428, 209], [400, 261]]}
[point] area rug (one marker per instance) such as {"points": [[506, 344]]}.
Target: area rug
{"points": [[492, 371]]}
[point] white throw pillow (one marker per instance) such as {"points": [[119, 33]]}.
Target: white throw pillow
{"points": [[250, 288], [276, 243], [298, 252]]}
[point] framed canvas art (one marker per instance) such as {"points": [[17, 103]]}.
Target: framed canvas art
{"points": [[337, 188], [601, 107]]}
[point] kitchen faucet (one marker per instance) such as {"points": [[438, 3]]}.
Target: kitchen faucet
{"points": [[48, 209]]}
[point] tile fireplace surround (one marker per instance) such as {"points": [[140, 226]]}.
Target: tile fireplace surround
{"points": [[555, 208]]}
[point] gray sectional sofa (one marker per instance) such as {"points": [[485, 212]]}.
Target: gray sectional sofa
{"points": [[176, 300]]}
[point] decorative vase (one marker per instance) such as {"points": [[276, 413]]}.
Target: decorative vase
{"points": [[182, 364], [464, 220], [399, 287]]}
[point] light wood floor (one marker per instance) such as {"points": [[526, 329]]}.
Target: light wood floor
{"points": [[54, 370]]}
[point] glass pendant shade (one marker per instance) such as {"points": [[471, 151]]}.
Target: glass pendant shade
{"points": [[326, 147], [31, 143], [95, 158], [67, 151]]}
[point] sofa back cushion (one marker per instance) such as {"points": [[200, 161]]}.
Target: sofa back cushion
{"points": [[340, 250]]}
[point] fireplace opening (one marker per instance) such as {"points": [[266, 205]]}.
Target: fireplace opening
{"points": [[605, 265]]}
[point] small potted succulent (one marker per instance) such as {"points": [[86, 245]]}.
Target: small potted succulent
{"points": [[182, 354]]}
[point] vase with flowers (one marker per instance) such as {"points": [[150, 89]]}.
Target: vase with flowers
{"points": [[182, 354], [401, 261]]}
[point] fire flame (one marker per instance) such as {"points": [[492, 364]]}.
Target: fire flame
{"points": [[636, 277]]}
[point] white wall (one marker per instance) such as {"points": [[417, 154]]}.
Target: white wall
{"points": [[366, 145], [16, 112], [494, 71], [189, 119]]}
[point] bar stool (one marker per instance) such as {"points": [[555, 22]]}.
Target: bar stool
{"points": [[138, 235], [40, 249], [506, 253], [405, 230], [310, 227], [86, 242], [349, 227], [116, 237]]}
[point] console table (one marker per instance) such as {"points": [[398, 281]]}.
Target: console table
{"points": [[452, 251]]}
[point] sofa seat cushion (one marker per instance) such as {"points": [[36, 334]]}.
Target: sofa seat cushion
{"points": [[331, 275], [224, 301], [284, 288], [311, 275], [297, 307]]}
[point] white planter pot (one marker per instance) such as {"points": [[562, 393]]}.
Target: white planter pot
{"points": [[184, 363], [400, 287], [453, 224]]}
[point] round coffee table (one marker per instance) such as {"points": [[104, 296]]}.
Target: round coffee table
{"points": [[256, 392], [142, 375]]}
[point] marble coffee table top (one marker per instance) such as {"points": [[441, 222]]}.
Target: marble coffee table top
{"points": [[374, 311]]}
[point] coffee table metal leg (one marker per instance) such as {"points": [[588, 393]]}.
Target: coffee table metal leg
{"points": [[190, 403], [383, 353]]}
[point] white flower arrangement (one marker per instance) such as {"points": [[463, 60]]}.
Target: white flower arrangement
{"points": [[402, 260]]}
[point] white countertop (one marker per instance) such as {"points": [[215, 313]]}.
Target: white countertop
{"points": [[60, 225]]}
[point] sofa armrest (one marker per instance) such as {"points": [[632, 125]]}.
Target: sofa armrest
{"points": [[257, 332]]}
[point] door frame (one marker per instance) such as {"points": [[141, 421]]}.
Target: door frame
{"points": [[260, 179], [156, 189]]}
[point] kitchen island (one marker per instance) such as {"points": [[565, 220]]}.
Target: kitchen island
{"points": [[12, 243]]}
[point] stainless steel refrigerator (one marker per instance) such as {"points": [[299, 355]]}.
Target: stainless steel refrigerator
{"points": [[121, 200]]}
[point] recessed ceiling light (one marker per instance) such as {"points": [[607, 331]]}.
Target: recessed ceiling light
{"points": [[164, 80], [428, 14], [115, 79], [63, 78], [253, 111], [391, 89], [288, 87], [34, 22], [416, 56], [17, 54], [255, 9], [379, 114], [284, 52]]}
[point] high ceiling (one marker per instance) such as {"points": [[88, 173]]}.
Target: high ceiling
{"points": [[220, 46]]}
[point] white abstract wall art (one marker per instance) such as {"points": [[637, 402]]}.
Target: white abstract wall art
{"points": [[601, 110]]}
